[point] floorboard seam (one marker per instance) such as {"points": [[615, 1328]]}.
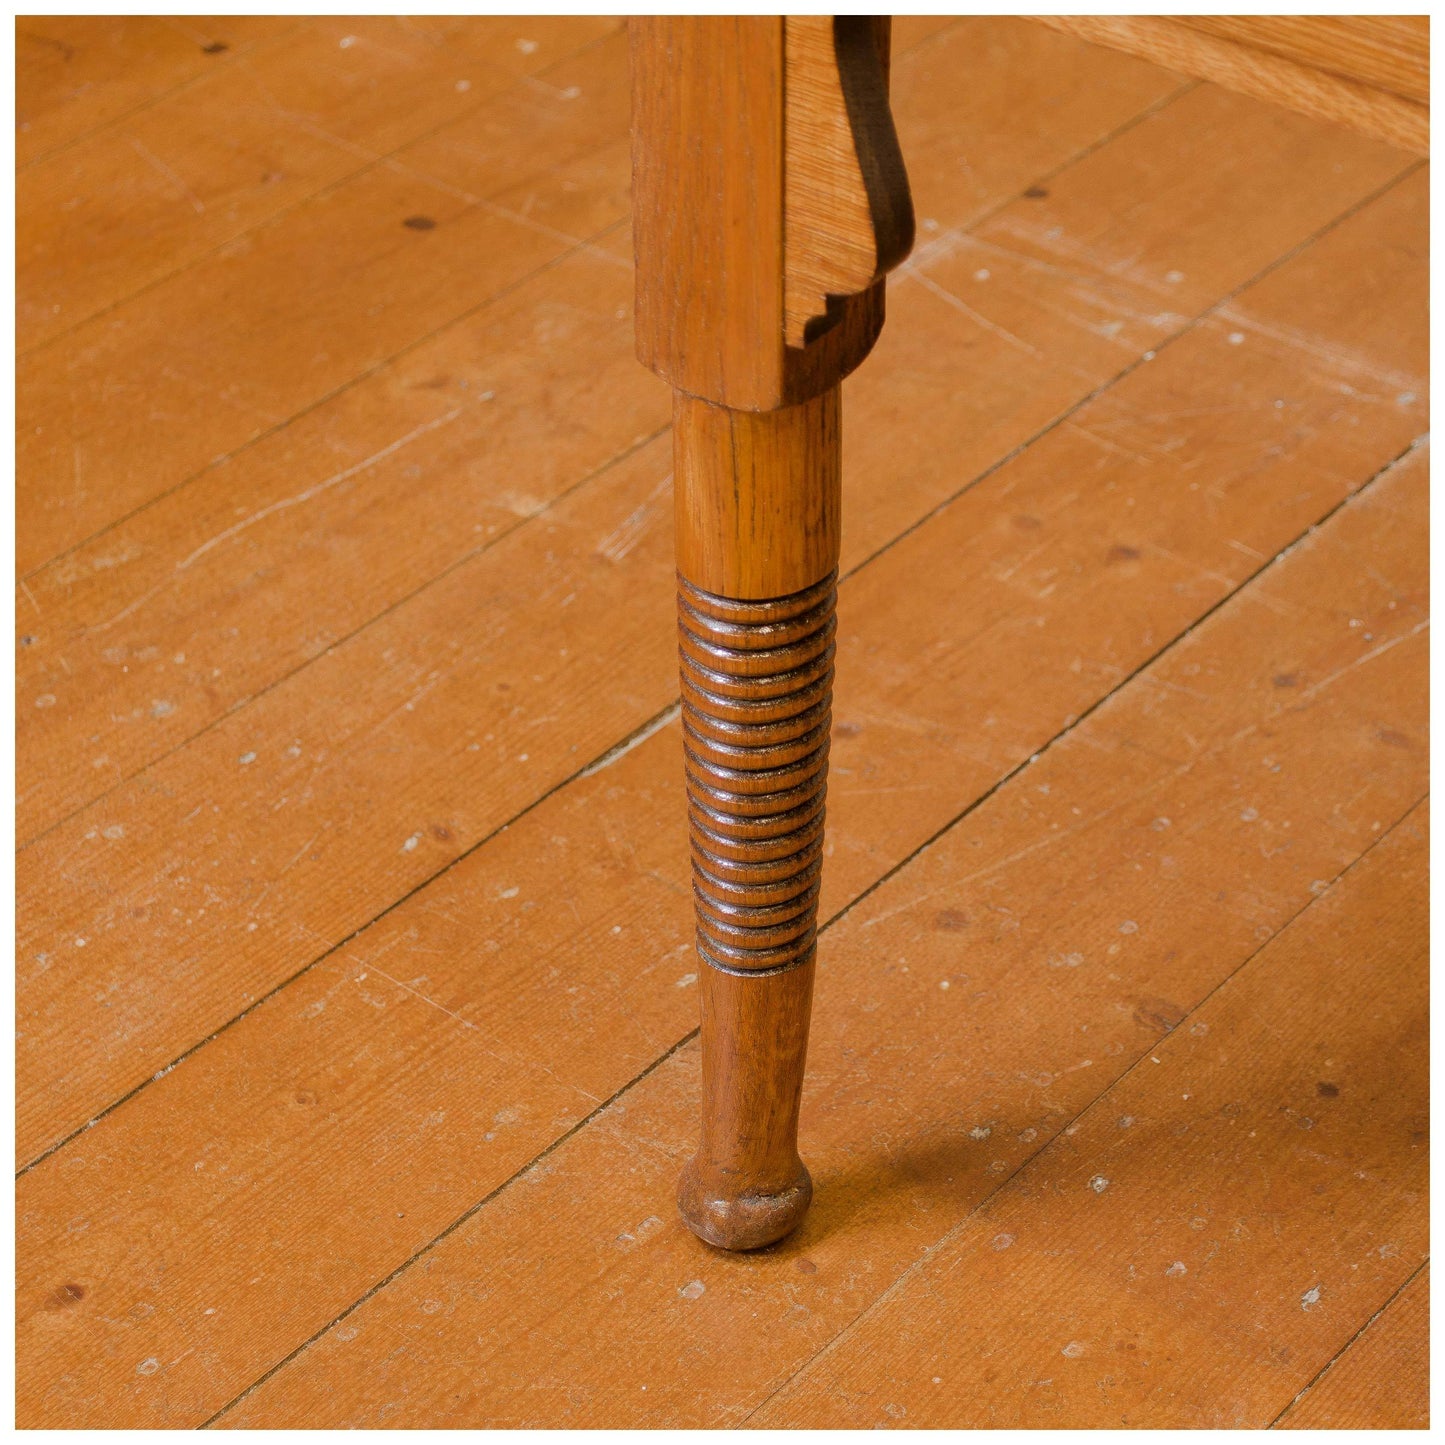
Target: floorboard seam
{"points": [[341, 389], [1344, 1348], [1143, 360], [1124, 682], [245, 702], [582, 245], [934, 511], [341, 943], [799, 1377], [255, 44]]}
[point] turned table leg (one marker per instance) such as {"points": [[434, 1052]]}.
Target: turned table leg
{"points": [[757, 551], [768, 201]]}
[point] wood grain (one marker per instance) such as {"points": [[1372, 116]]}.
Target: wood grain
{"points": [[273, 557], [1391, 52], [757, 685], [998, 97], [79, 413], [707, 191], [795, 204], [1196, 1242], [1381, 1381], [81, 599], [720, 213], [1147, 230], [847, 213], [892, 1130], [383, 1065], [746, 1186], [216, 687], [1269, 73], [346, 1064], [108, 577], [441, 724], [759, 496]]}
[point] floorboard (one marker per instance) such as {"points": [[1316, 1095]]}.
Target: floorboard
{"points": [[325, 767], [356, 991]]}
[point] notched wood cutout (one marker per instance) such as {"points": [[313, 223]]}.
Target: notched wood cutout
{"points": [[847, 212], [768, 193]]}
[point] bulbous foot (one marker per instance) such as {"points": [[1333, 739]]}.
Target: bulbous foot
{"points": [[728, 1219]]}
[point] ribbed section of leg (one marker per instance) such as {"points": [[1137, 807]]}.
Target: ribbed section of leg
{"points": [[757, 682]]}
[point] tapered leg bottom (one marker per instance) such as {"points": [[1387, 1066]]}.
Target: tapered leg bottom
{"points": [[746, 1186]]}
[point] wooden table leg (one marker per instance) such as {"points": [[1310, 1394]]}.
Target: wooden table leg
{"points": [[758, 496], [756, 295]]}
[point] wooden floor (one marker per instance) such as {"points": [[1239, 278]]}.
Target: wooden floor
{"points": [[356, 1016]]}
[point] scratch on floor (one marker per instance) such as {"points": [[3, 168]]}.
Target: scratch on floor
{"points": [[1338, 358], [567, 1084], [275, 507], [1049, 840], [672, 887], [953, 242], [893, 788], [624, 538], [315, 491], [300, 853], [577, 243], [1115, 306], [465, 1023], [1178, 687], [1365, 657], [1225, 581], [302, 122], [401, 168], [959, 305], [1118, 448], [152, 159], [1052, 240]]}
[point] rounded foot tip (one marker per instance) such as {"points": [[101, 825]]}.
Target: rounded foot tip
{"points": [[741, 1220]]}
